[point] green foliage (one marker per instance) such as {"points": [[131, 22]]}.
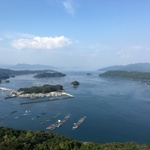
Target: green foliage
{"points": [[143, 76], [11, 139], [42, 89], [4, 76], [52, 74], [75, 83]]}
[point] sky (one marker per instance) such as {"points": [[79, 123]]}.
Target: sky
{"points": [[87, 34]]}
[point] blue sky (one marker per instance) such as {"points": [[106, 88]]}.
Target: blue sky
{"points": [[75, 33]]}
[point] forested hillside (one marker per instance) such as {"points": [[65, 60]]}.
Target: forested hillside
{"points": [[126, 74], [11, 139]]}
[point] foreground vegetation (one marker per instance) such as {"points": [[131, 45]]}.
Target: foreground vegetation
{"points": [[11, 139], [143, 76], [41, 89]]}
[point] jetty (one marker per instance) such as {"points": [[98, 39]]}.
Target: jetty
{"points": [[45, 100]]}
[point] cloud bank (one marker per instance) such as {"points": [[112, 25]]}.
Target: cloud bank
{"points": [[41, 43]]}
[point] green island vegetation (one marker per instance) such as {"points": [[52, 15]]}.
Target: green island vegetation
{"points": [[89, 74], [49, 74], [41, 89], [12, 139], [6, 73], [75, 83], [142, 76], [4, 76]]}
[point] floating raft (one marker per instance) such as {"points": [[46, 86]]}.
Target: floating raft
{"points": [[50, 119], [58, 123], [76, 125]]}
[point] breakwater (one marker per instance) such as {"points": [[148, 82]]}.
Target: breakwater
{"points": [[45, 100]]}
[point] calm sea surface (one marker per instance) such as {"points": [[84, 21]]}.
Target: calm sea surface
{"points": [[117, 110]]}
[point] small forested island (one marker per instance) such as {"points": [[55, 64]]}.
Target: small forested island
{"points": [[89, 74], [12, 139], [6, 73], [75, 83], [142, 76], [41, 89], [49, 74]]}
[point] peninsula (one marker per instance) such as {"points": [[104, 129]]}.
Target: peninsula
{"points": [[38, 92], [142, 76], [6, 73]]}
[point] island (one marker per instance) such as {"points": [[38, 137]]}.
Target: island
{"points": [[41, 89], [7, 73], [89, 74], [141, 76], [49, 74], [75, 83], [50, 92], [4, 76]]}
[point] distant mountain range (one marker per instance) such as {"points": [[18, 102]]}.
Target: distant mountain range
{"points": [[31, 67], [140, 67]]}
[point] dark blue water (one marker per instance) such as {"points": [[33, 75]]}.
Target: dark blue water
{"points": [[117, 110]]}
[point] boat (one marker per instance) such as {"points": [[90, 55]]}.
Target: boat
{"points": [[27, 112], [76, 125]]}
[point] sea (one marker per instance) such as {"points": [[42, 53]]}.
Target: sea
{"points": [[117, 110]]}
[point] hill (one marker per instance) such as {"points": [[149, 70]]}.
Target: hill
{"points": [[6, 73], [140, 67], [11, 139], [49, 74], [31, 67], [141, 76]]}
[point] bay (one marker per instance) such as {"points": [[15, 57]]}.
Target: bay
{"points": [[117, 110]]}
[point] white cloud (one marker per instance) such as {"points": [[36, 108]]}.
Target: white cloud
{"points": [[41, 43], [69, 6]]}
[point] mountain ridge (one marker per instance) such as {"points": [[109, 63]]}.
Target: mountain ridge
{"points": [[24, 66], [140, 67]]}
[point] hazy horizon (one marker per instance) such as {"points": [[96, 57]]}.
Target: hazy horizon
{"points": [[74, 33]]}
